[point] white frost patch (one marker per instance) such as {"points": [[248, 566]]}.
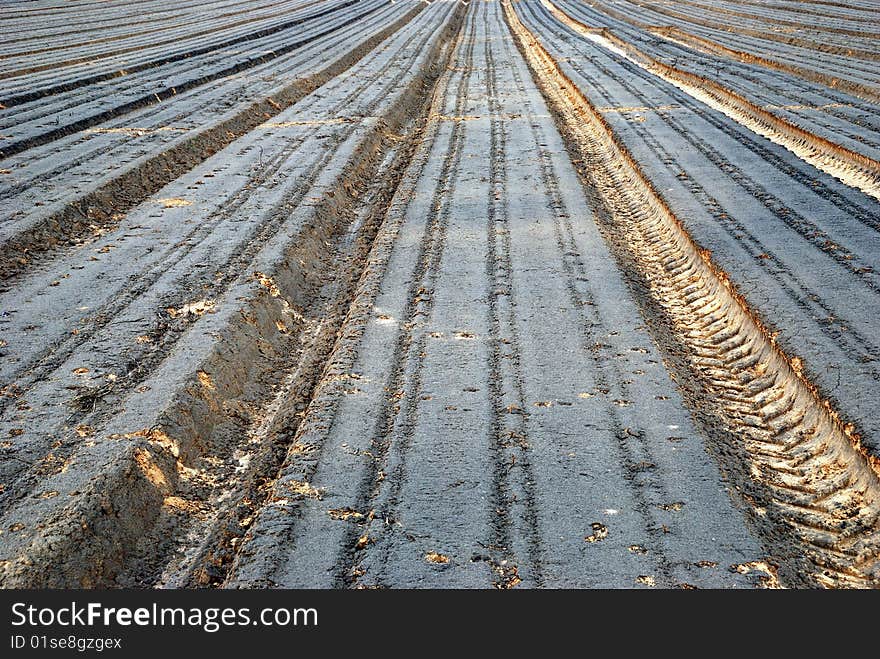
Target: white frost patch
{"points": [[243, 461]]}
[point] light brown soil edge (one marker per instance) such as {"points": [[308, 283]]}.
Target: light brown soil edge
{"points": [[103, 206], [810, 490], [108, 526]]}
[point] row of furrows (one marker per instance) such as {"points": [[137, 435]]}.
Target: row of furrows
{"points": [[781, 211], [631, 444], [82, 55], [834, 118], [40, 365], [509, 426], [810, 65], [776, 21], [42, 33], [828, 3], [102, 206], [309, 438], [200, 417], [43, 88], [768, 89], [47, 117], [796, 8], [85, 22], [125, 83], [708, 46], [816, 46], [68, 14], [33, 94], [167, 331], [868, 6], [164, 91], [852, 168], [159, 116], [819, 485], [862, 347]]}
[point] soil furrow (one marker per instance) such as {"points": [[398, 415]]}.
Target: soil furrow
{"points": [[510, 416], [57, 352], [157, 95], [818, 46], [188, 112], [578, 288], [91, 57], [260, 560]]}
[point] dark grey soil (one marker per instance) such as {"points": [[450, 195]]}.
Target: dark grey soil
{"points": [[319, 295]]}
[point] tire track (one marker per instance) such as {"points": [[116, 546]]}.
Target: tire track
{"points": [[645, 491], [510, 435], [319, 378], [817, 487], [396, 418]]}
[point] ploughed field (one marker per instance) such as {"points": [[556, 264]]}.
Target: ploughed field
{"points": [[506, 293]]}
